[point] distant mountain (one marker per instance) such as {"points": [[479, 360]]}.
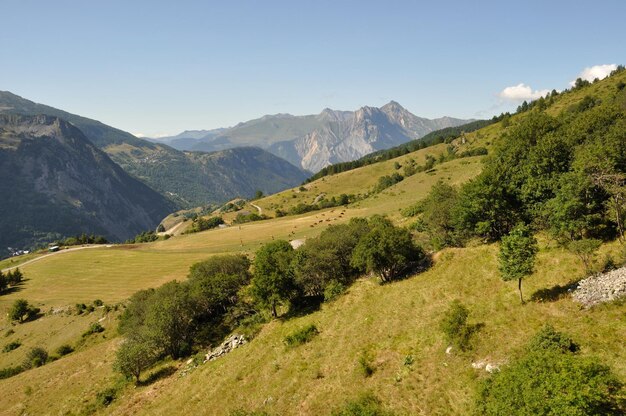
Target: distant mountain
{"points": [[56, 183], [182, 177], [316, 141]]}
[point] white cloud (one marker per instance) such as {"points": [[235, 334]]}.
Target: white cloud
{"points": [[596, 71], [521, 92]]}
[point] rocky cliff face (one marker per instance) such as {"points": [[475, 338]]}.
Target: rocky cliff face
{"points": [[55, 183], [186, 179], [347, 136]]}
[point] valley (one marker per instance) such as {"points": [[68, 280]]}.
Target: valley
{"points": [[393, 328]]}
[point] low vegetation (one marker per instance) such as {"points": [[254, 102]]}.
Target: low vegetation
{"points": [[203, 224], [301, 336], [551, 378]]}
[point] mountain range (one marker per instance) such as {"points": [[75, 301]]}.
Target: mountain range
{"points": [[56, 183], [315, 141], [187, 178]]}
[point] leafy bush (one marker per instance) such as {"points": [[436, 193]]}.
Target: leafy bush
{"points": [[21, 311], [455, 327], [366, 405], [202, 224], [386, 250], [134, 356], [243, 218], [106, 396], [366, 366], [301, 336], [387, 181], [93, 329], [333, 290], [585, 249], [64, 350], [10, 372], [550, 379], [144, 237], [11, 346], [36, 357]]}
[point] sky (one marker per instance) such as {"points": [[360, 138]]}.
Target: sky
{"points": [[156, 68]]}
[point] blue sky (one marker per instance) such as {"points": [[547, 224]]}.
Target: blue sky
{"points": [[158, 68]]}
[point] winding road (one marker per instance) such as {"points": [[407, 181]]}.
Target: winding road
{"points": [[54, 254]]}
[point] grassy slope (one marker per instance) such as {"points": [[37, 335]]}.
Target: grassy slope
{"points": [[389, 321]]}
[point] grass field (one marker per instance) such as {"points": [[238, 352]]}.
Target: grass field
{"points": [[389, 323]]}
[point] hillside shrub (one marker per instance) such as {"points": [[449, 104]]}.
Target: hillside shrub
{"points": [[333, 290], [386, 250], [94, 328], [244, 218], [36, 357], [64, 350], [366, 365], [366, 405], [585, 249], [387, 181], [301, 336], [22, 311], [106, 396], [10, 371], [456, 328], [203, 224], [11, 346], [550, 379]]}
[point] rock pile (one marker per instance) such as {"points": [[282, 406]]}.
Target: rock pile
{"points": [[487, 366], [601, 288], [232, 342]]}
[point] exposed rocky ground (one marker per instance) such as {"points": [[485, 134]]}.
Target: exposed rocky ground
{"points": [[601, 288], [232, 342]]}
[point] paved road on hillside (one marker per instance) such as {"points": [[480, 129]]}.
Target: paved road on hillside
{"points": [[54, 254]]}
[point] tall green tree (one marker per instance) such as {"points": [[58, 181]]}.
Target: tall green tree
{"points": [[19, 310], [386, 250], [134, 356], [438, 215], [169, 320], [272, 282], [517, 255], [326, 259], [214, 288]]}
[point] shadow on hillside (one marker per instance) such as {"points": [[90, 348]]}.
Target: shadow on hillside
{"points": [[304, 306], [158, 375], [413, 268], [15, 288], [554, 293]]}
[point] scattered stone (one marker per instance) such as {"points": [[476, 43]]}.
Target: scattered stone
{"points": [[234, 341], [487, 366], [492, 368], [601, 288], [297, 243]]}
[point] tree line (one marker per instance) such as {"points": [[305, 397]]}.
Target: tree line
{"points": [[227, 291]]}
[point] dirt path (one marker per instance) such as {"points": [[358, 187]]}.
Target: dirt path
{"points": [[54, 254], [175, 230], [258, 208]]}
